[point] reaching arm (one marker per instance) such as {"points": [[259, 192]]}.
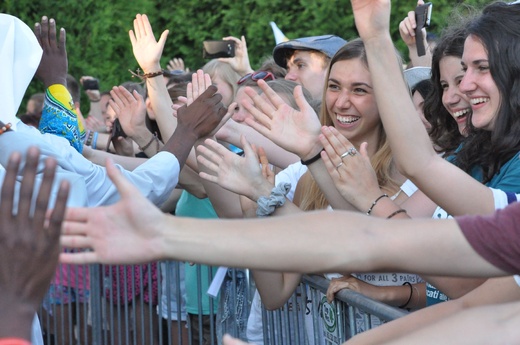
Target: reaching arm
{"points": [[371, 244], [444, 183]]}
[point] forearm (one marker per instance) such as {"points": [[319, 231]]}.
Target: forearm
{"points": [[495, 324], [454, 287], [100, 158], [322, 177], [191, 182], [372, 244], [397, 112], [275, 288], [162, 106], [405, 325]]}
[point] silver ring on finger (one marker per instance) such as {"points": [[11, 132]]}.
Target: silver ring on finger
{"points": [[339, 165]]}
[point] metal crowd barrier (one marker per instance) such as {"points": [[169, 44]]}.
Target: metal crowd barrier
{"points": [[146, 305]]}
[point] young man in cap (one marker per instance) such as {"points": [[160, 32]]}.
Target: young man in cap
{"points": [[306, 60]]}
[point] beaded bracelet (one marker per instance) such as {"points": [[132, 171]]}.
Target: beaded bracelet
{"points": [[375, 202], [89, 137], [411, 295], [154, 138], [312, 160], [144, 76], [396, 212]]}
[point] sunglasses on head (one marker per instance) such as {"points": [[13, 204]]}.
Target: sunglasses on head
{"points": [[264, 75]]}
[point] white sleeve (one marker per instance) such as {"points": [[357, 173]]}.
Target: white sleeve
{"points": [[155, 178], [517, 279], [502, 199], [291, 175]]}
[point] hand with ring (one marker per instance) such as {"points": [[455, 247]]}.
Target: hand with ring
{"points": [[350, 169]]}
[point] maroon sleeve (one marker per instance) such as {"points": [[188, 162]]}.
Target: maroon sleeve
{"points": [[496, 237]]}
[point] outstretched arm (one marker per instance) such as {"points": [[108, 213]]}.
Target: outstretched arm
{"points": [[368, 244]]}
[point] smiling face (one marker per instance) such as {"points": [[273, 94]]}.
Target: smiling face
{"points": [[308, 69], [455, 102], [351, 104], [478, 85]]}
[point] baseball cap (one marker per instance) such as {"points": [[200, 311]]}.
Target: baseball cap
{"points": [[416, 74], [326, 44]]}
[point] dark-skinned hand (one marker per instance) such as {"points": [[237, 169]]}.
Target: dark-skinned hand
{"points": [[29, 243], [54, 64]]}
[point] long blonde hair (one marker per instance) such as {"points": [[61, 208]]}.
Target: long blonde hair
{"points": [[309, 195]]}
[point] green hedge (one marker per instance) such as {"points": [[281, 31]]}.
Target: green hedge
{"points": [[97, 31]]}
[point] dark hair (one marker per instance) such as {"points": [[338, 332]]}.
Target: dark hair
{"points": [[424, 87], [444, 132], [498, 29]]}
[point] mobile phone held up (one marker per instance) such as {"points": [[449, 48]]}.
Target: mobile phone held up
{"points": [[218, 49], [91, 84], [423, 14]]}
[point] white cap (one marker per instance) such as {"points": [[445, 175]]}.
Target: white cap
{"points": [[415, 75]]}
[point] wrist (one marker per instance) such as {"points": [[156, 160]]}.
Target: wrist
{"points": [[55, 81], [312, 155], [17, 322]]}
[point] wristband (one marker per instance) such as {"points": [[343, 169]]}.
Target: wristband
{"points": [[411, 295], [312, 160], [395, 213], [267, 205], [94, 140], [14, 341], [375, 202]]}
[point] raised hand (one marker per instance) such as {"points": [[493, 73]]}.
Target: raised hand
{"points": [[130, 109], [29, 244], [54, 64], [129, 238], [177, 64], [240, 62], [294, 130], [240, 175], [147, 50], [372, 18], [203, 115], [351, 171], [200, 82]]}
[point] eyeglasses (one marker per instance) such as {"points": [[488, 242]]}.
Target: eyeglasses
{"points": [[264, 75]]}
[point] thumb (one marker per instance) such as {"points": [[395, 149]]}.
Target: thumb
{"points": [[302, 103], [363, 149], [162, 39], [124, 187]]}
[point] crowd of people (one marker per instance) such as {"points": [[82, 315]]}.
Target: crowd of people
{"points": [[329, 133]]}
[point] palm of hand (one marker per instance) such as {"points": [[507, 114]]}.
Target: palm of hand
{"points": [[295, 130], [127, 238]]}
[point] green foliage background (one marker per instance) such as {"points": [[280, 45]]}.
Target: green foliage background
{"points": [[97, 30]]}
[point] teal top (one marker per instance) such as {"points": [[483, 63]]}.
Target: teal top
{"points": [[191, 206]]}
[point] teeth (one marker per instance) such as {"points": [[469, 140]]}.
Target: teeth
{"points": [[461, 113], [346, 119], [478, 100]]}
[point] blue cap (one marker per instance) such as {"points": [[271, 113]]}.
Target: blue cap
{"points": [[326, 44]]}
